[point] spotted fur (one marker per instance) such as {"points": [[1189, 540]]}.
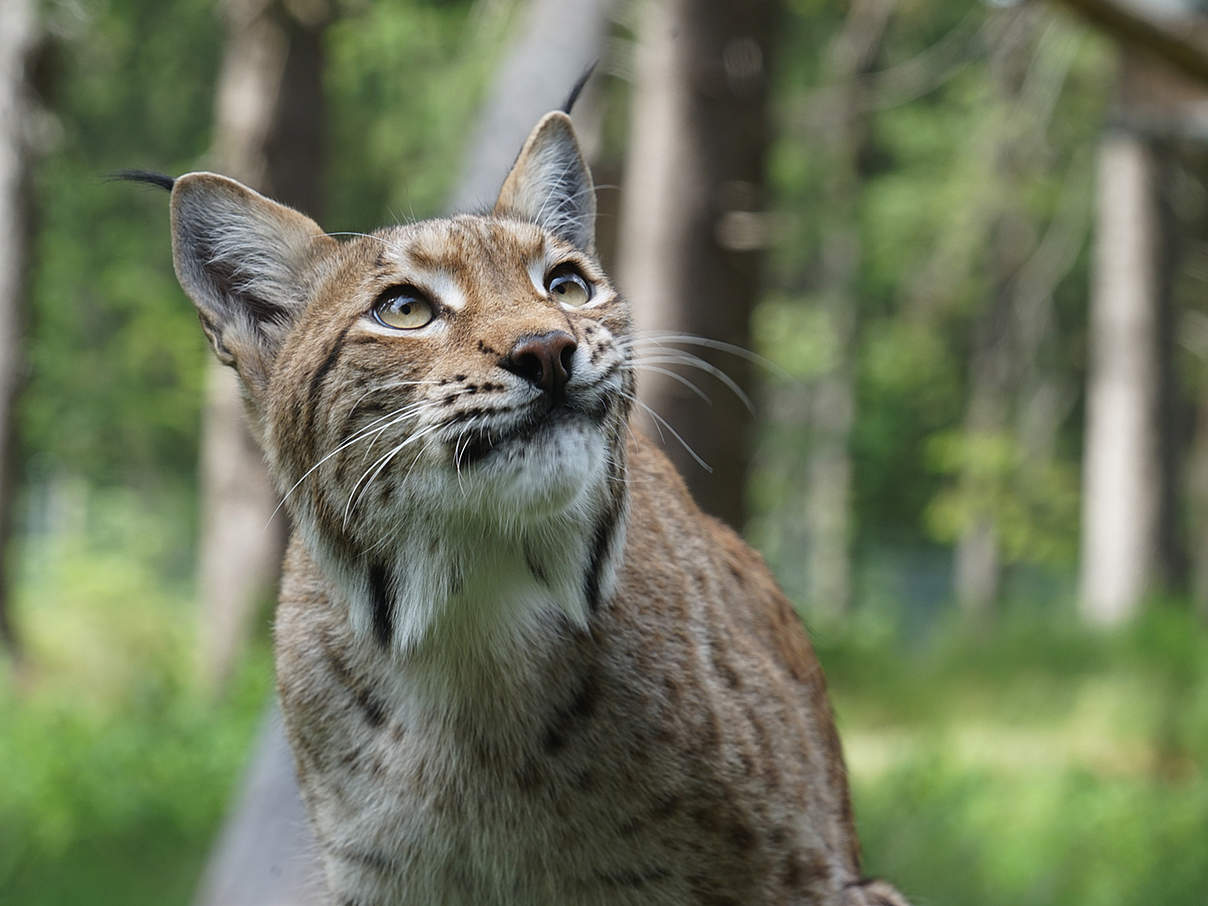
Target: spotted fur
{"points": [[517, 664]]}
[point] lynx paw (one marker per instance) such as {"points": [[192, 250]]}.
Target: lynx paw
{"points": [[874, 893]]}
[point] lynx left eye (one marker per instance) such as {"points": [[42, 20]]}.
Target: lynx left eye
{"points": [[403, 309], [567, 286]]}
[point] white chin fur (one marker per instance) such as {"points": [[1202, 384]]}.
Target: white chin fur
{"points": [[524, 481]]}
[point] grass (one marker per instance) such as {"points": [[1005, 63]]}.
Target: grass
{"points": [[1034, 764], [1031, 764]]}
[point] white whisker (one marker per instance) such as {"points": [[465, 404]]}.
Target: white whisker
{"points": [[667, 372], [666, 424], [381, 464], [670, 356]]}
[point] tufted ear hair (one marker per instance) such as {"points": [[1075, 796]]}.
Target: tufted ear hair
{"points": [[550, 184], [247, 263]]}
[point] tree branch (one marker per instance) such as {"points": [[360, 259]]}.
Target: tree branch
{"points": [[1126, 23]]}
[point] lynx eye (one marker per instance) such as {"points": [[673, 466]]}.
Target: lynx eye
{"points": [[403, 308], [566, 285]]}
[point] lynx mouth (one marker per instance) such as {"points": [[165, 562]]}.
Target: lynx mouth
{"points": [[533, 428]]}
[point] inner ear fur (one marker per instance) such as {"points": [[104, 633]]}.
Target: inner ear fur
{"points": [[551, 185], [245, 261]]}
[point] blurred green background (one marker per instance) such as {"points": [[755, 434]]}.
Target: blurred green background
{"points": [[1007, 744]]}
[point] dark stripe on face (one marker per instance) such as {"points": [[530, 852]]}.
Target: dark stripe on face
{"points": [[383, 606], [314, 390]]}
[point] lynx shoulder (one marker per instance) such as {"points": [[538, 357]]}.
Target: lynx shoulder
{"points": [[517, 664]]}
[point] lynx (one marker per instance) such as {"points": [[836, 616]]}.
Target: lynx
{"points": [[517, 664]]}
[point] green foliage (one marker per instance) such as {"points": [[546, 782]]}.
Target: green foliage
{"points": [[115, 354], [1039, 765], [939, 163], [1034, 504], [404, 80], [116, 767]]}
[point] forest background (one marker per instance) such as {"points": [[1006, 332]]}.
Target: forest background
{"points": [[967, 245]]}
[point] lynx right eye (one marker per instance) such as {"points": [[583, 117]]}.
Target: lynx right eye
{"points": [[404, 308], [568, 286]]}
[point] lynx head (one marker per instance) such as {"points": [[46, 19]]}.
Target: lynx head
{"points": [[443, 404]]}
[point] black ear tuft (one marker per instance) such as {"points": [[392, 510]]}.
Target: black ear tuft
{"points": [[145, 176], [578, 87]]}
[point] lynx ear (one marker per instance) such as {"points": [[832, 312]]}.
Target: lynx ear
{"points": [[244, 261], [550, 184]]}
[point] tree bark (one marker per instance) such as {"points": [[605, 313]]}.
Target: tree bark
{"points": [[691, 236], [1120, 495], [17, 37], [269, 115], [1162, 33], [530, 82]]}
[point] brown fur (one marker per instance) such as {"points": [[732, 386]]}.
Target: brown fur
{"points": [[517, 664]]}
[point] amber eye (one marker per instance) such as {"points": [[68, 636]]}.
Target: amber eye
{"points": [[566, 285], [403, 308]]}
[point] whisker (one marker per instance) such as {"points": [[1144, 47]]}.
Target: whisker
{"points": [[381, 464], [396, 416], [659, 337], [679, 357], [666, 424], [667, 372]]}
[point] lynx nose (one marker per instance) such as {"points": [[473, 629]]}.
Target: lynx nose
{"points": [[544, 361]]}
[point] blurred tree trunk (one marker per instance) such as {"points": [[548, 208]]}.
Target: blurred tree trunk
{"points": [[992, 378], [268, 131], [844, 138], [691, 236], [17, 40], [1120, 495], [266, 854]]}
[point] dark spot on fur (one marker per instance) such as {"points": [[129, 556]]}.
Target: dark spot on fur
{"points": [[792, 874], [741, 836], [367, 858], [633, 878], [600, 543], [664, 808], [723, 667], [748, 766], [672, 687], [372, 708], [579, 709], [383, 604], [527, 776], [535, 567]]}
